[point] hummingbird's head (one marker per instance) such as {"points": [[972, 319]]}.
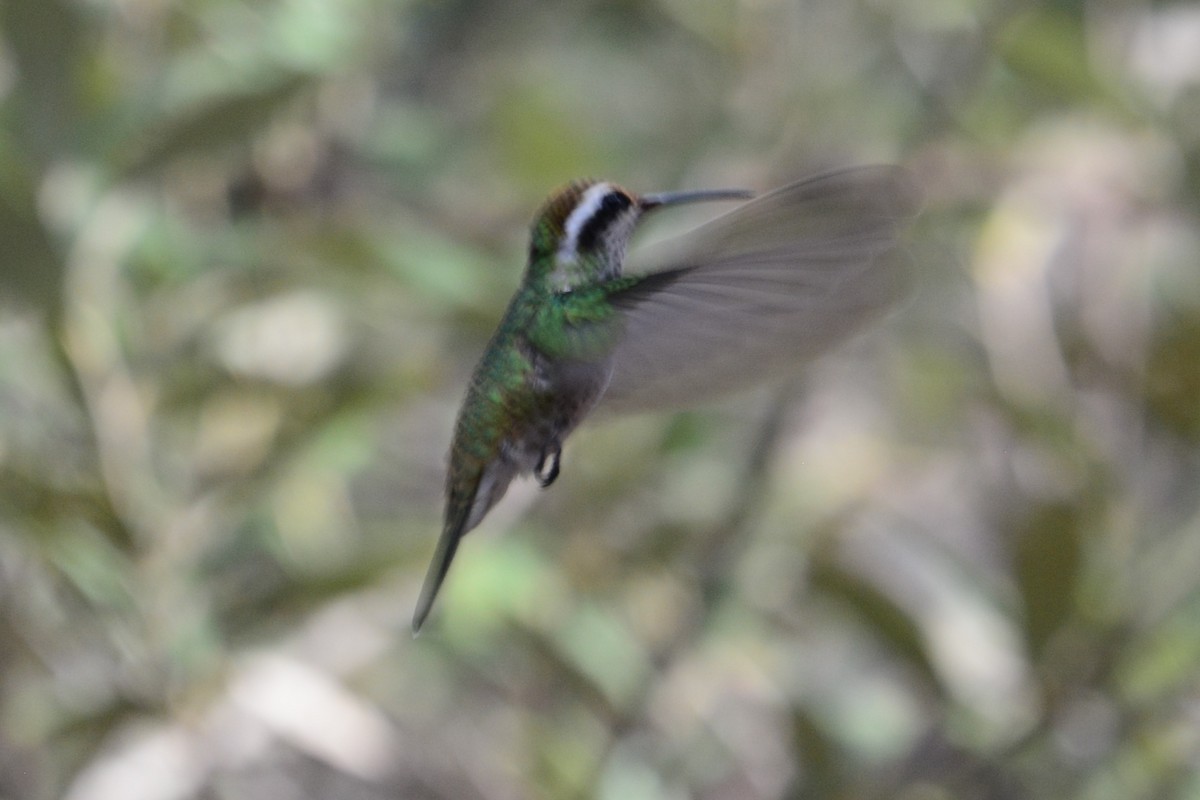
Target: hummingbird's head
{"points": [[582, 231]]}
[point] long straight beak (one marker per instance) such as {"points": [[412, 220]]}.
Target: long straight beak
{"points": [[649, 202]]}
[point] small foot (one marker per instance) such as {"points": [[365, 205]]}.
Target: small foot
{"points": [[547, 467]]}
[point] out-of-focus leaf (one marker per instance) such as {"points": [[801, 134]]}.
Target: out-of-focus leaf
{"points": [[1164, 659], [539, 139], [47, 39], [228, 119], [818, 757], [1173, 375], [884, 618], [31, 266], [98, 571], [1047, 48], [1048, 559], [252, 591], [604, 649], [84, 733], [443, 271], [24, 496]]}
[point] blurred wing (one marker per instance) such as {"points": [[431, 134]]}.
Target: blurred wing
{"points": [[769, 285]]}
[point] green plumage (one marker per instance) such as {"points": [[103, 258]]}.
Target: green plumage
{"points": [[540, 373]]}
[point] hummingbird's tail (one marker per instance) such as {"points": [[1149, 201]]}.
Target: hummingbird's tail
{"points": [[468, 501], [447, 546]]}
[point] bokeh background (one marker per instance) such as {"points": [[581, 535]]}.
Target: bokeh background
{"points": [[249, 252]]}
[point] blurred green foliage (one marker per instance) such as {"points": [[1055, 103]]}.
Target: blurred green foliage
{"points": [[250, 251]]}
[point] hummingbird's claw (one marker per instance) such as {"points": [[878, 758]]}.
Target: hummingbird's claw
{"points": [[546, 473]]}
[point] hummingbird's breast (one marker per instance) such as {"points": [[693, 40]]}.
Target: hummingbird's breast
{"points": [[522, 403]]}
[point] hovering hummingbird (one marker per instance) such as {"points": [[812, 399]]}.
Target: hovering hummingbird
{"points": [[772, 283]]}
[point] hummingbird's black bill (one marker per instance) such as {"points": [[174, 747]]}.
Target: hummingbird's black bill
{"points": [[652, 201]]}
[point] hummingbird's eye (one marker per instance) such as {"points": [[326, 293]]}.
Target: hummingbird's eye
{"points": [[616, 201], [611, 207]]}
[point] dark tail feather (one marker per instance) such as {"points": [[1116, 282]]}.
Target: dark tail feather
{"points": [[446, 548], [466, 507], [460, 502]]}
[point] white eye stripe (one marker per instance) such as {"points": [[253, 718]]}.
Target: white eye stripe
{"points": [[588, 205]]}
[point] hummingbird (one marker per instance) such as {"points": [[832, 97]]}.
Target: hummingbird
{"points": [[774, 282]]}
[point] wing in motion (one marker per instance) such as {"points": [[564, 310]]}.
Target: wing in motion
{"points": [[773, 283]]}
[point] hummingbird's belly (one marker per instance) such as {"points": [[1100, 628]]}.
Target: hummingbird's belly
{"points": [[567, 393], [545, 433]]}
